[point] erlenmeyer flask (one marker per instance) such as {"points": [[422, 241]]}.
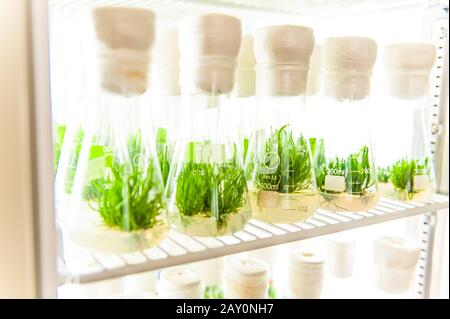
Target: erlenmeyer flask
{"points": [[166, 100], [345, 171], [206, 188], [405, 166], [279, 163], [117, 202]]}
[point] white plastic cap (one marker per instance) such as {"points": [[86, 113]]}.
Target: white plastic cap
{"points": [[246, 278], [211, 270], [179, 282], [247, 268], [209, 46], [348, 64], [342, 256], [305, 259], [126, 36], [283, 55], [246, 75], [315, 68], [408, 66], [395, 259], [166, 66], [305, 274]]}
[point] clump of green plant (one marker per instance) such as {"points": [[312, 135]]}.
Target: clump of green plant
{"points": [[403, 172], [129, 197], [73, 160], [356, 169], [272, 292], [163, 153], [211, 190], [384, 174], [213, 292], [60, 132], [286, 165]]}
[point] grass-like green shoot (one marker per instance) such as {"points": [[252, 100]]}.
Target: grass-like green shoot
{"points": [[356, 169], [130, 196], [60, 132], [73, 160], [163, 152], [213, 292], [293, 172], [403, 172], [211, 190]]}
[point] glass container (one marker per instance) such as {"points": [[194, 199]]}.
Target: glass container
{"points": [[405, 164], [344, 164], [206, 187], [279, 164], [117, 201]]}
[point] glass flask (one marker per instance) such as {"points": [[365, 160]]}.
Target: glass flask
{"points": [[244, 103], [405, 166], [279, 164], [206, 187], [343, 160], [117, 202], [166, 99]]}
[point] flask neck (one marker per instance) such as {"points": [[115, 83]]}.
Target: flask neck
{"points": [[281, 79], [408, 85], [213, 75], [124, 71], [346, 85]]}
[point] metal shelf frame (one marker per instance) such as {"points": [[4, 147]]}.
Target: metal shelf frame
{"points": [[180, 249]]}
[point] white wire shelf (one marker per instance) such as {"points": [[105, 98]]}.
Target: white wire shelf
{"points": [[179, 249]]}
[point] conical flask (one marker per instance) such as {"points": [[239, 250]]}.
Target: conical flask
{"points": [[206, 188], [279, 164], [117, 202], [405, 166], [344, 164]]}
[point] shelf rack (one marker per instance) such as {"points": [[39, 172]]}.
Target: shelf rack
{"points": [[179, 249]]}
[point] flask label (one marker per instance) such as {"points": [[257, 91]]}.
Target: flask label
{"points": [[421, 182], [335, 183], [267, 199]]}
